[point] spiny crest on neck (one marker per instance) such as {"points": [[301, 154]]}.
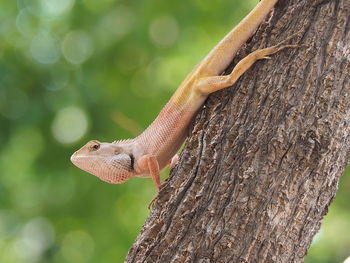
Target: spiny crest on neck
{"points": [[121, 141]]}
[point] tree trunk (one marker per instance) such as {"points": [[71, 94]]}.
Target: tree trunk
{"points": [[264, 157]]}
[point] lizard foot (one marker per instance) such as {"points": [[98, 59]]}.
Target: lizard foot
{"points": [[150, 205]]}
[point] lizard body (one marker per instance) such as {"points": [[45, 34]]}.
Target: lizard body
{"points": [[147, 154]]}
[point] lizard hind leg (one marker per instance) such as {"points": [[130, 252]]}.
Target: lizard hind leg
{"points": [[211, 84]]}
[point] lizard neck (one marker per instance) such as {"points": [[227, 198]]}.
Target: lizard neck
{"points": [[166, 134]]}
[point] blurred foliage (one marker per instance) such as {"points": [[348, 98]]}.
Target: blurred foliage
{"points": [[75, 70]]}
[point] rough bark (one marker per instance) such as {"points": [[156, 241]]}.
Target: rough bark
{"points": [[264, 157]]}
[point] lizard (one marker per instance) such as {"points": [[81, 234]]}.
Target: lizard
{"points": [[147, 154]]}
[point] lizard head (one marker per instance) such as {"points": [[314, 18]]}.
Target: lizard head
{"points": [[111, 162]]}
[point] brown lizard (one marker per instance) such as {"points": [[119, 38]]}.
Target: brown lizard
{"points": [[147, 154]]}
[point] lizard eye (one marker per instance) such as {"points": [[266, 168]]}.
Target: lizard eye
{"points": [[95, 147]]}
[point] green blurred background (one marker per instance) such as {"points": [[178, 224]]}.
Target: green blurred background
{"points": [[75, 70]]}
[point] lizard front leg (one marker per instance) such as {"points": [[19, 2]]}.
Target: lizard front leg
{"points": [[211, 84], [149, 164]]}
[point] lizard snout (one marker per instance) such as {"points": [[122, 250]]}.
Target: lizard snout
{"points": [[74, 158]]}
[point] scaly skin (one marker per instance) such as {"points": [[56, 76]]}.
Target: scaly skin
{"points": [[151, 151]]}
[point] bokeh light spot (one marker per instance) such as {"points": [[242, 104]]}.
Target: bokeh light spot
{"points": [[114, 25], [77, 47], [34, 7], [77, 247], [164, 31], [57, 7], [58, 79], [69, 125], [36, 237], [44, 48], [25, 23], [46, 7]]}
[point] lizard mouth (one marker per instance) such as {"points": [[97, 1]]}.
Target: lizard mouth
{"points": [[77, 160], [73, 158], [82, 161]]}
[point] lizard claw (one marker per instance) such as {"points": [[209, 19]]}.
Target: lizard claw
{"points": [[150, 205]]}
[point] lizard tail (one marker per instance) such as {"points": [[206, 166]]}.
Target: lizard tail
{"points": [[231, 43]]}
